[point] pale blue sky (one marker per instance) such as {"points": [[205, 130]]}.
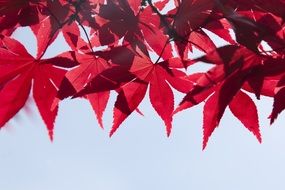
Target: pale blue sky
{"points": [[139, 156]]}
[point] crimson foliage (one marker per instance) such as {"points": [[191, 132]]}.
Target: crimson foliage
{"points": [[127, 31]]}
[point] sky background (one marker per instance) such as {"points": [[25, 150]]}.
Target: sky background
{"points": [[139, 156]]}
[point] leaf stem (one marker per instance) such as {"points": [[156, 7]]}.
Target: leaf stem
{"points": [[162, 51], [86, 34]]}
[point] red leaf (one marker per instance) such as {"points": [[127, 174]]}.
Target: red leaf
{"points": [[46, 81], [245, 110], [128, 99], [45, 36], [161, 97], [54, 17], [190, 16], [99, 102], [76, 79], [215, 106], [22, 67]]}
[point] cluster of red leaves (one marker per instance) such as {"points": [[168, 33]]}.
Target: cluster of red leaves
{"points": [[127, 31]]}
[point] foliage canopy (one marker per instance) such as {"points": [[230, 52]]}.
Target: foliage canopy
{"points": [[121, 35]]}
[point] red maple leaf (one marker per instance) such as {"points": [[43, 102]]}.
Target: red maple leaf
{"points": [[19, 73]]}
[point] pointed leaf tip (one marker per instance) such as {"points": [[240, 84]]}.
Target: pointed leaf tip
{"points": [[139, 112], [50, 134], [99, 102], [113, 130], [168, 128]]}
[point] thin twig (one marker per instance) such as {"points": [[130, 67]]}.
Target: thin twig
{"points": [[162, 51], [86, 34]]}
